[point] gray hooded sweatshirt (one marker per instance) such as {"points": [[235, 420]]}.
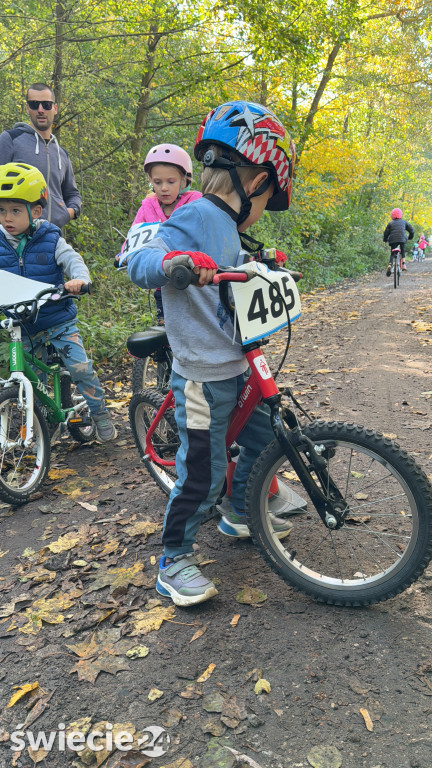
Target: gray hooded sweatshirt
{"points": [[23, 144]]}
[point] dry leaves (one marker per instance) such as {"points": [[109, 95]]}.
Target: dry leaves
{"points": [[100, 654]]}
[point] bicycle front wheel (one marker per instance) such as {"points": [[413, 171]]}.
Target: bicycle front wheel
{"points": [[385, 542], [143, 408], [22, 469], [147, 372]]}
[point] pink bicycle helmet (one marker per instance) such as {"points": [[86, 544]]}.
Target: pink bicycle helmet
{"points": [[396, 213], [171, 154]]}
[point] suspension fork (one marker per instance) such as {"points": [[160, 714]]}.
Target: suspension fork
{"points": [[328, 510]]}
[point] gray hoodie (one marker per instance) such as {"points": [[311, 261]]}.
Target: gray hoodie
{"points": [[23, 144]]}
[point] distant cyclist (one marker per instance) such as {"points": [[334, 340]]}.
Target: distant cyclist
{"points": [[422, 243], [394, 235]]}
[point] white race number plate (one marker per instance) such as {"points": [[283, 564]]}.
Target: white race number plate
{"points": [[261, 305], [138, 236]]}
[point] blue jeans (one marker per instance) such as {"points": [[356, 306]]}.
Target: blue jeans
{"points": [[202, 412], [67, 341]]}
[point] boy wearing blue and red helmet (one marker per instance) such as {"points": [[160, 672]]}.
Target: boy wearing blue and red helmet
{"points": [[248, 165]]}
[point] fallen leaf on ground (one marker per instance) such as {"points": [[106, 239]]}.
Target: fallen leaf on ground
{"points": [[100, 653], [144, 622], [37, 755], [138, 652], [114, 578], [262, 686], [325, 757], [58, 474], [251, 596], [23, 690], [64, 543], [142, 528], [198, 633], [46, 610], [206, 674], [73, 487], [86, 505], [367, 718], [154, 694], [235, 620]]}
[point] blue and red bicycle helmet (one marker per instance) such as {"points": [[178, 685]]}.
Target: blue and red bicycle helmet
{"points": [[259, 137]]}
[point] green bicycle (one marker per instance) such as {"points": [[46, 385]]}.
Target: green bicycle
{"points": [[30, 408]]}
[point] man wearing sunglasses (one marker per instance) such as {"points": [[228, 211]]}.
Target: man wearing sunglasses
{"points": [[35, 145]]}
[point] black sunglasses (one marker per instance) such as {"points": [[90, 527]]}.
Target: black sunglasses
{"points": [[36, 104]]}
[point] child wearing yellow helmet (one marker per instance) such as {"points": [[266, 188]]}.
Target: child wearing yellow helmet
{"points": [[34, 248]]}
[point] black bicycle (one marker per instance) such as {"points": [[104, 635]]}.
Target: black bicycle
{"points": [[152, 366]]}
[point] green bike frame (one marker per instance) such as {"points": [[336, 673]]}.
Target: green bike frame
{"points": [[21, 361]]}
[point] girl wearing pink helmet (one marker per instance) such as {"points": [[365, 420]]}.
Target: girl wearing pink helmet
{"points": [[395, 234], [169, 169]]}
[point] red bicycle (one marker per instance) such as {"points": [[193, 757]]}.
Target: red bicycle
{"points": [[365, 532]]}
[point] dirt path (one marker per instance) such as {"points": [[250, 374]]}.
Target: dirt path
{"points": [[356, 356]]}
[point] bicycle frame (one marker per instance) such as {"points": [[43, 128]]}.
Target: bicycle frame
{"points": [[20, 363], [260, 386]]}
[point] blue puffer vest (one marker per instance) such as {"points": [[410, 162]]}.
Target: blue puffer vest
{"points": [[38, 263]]}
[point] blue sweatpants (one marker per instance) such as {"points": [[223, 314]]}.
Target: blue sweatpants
{"points": [[67, 341], [202, 412]]}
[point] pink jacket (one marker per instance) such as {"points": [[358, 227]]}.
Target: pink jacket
{"points": [[422, 243], [150, 209]]}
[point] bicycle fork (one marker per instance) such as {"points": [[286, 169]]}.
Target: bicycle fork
{"points": [[331, 510], [25, 403]]}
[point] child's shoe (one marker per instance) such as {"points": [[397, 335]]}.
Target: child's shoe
{"points": [[404, 269], [286, 502], [105, 429], [183, 582], [233, 522], [389, 269]]}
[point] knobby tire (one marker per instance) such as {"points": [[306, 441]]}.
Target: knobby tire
{"points": [[22, 470], [385, 542]]}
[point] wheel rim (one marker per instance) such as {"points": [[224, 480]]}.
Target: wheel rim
{"points": [[378, 536], [19, 466], [165, 439]]}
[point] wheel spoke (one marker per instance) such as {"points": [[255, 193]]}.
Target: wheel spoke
{"points": [[385, 538]]}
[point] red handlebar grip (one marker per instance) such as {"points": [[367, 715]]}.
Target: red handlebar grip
{"points": [[233, 277]]}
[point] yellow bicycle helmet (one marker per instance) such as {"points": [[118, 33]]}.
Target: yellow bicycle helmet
{"points": [[19, 181]]}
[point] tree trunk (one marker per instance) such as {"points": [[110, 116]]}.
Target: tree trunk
{"points": [[308, 124], [141, 117], [60, 16]]}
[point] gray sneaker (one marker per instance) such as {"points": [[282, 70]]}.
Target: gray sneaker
{"points": [[183, 582], [105, 429], [286, 501], [233, 523]]}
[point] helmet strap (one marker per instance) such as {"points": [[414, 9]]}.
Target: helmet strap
{"points": [[31, 225], [224, 161]]}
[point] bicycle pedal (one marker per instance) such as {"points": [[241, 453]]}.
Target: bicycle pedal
{"points": [[83, 422]]}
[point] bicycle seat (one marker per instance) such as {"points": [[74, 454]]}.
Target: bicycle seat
{"points": [[145, 343]]}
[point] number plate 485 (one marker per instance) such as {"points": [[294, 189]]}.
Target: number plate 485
{"points": [[262, 306]]}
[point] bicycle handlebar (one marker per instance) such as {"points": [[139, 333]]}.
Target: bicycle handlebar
{"points": [[27, 309], [182, 277]]}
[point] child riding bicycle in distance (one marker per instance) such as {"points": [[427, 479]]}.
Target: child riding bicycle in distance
{"points": [[248, 165], [169, 169], [394, 235], [34, 248], [422, 244]]}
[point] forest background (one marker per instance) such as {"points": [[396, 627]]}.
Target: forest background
{"points": [[351, 81]]}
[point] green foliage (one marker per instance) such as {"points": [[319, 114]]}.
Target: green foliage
{"points": [[131, 75]]}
